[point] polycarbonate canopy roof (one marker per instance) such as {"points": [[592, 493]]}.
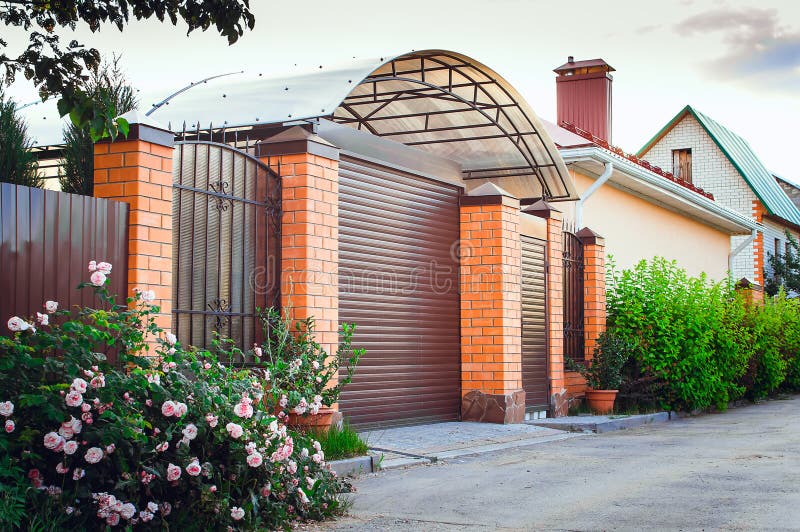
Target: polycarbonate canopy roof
{"points": [[438, 101]]}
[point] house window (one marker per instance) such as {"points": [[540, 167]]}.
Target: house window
{"points": [[682, 164]]}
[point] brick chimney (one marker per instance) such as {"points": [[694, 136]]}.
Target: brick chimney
{"points": [[583, 91]]}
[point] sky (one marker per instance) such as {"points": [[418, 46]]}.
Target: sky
{"points": [[736, 61]]}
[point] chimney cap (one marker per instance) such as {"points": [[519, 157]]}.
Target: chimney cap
{"points": [[571, 64]]}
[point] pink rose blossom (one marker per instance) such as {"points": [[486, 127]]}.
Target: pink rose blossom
{"points": [[237, 513], [146, 516], [93, 455], [98, 278], [194, 468], [316, 457], [257, 351], [70, 447], [104, 267], [250, 447], [255, 459], [292, 467], [212, 420], [10, 426], [303, 496], [43, 319], [173, 472], [213, 489], [78, 474], [92, 265], [265, 490], [168, 409], [111, 448], [98, 381], [78, 385], [190, 432], [74, 398], [180, 409], [112, 519], [161, 447], [148, 402], [166, 508], [61, 469], [234, 430], [171, 339], [17, 324], [284, 401], [51, 306], [53, 441], [148, 296], [243, 409], [85, 407], [6, 408], [152, 507], [315, 364]]}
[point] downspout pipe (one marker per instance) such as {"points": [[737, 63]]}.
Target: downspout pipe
{"points": [[609, 168], [741, 248]]}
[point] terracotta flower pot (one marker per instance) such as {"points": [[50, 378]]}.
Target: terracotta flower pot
{"points": [[319, 422], [601, 401]]}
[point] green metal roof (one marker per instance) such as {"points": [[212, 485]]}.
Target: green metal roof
{"points": [[743, 158]]}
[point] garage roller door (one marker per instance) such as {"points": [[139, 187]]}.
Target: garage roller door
{"points": [[534, 326], [398, 281]]}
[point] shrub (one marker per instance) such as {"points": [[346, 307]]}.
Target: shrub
{"points": [[300, 369], [604, 371], [698, 344], [18, 164], [178, 442]]}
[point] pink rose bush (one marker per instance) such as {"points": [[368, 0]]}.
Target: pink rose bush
{"points": [[300, 371], [175, 440]]}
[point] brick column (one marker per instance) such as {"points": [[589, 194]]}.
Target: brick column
{"points": [[309, 169], [491, 312], [559, 404], [138, 170], [758, 246]]}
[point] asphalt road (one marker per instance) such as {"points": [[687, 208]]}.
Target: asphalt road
{"points": [[738, 470]]}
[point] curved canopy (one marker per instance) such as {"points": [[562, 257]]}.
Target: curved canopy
{"points": [[435, 100]]}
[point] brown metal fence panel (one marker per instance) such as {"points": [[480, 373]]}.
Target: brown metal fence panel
{"points": [[573, 298], [47, 239], [398, 281], [534, 323]]}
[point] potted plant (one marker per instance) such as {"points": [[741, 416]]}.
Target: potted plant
{"points": [[603, 373], [303, 380]]}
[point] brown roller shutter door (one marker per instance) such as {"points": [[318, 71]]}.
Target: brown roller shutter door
{"points": [[534, 326], [398, 281]]}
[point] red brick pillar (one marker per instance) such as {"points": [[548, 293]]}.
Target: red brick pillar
{"points": [[758, 247], [309, 169], [594, 288], [491, 313], [559, 402], [138, 170]]}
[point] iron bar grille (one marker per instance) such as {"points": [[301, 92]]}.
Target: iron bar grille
{"points": [[574, 346], [226, 252]]}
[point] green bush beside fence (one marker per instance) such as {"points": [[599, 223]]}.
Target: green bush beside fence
{"points": [[697, 344]]}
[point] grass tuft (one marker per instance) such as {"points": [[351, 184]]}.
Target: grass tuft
{"points": [[341, 442]]}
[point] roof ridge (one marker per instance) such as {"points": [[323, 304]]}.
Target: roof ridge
{"points": [[634, 159]]}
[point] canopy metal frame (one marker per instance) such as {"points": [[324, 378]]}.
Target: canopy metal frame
{"points": [[483, 102]]}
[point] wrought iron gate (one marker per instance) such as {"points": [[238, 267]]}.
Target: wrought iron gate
{"points": [[226, 223], [573, 298]]}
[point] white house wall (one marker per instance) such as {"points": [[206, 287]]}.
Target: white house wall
{"points": [[713, 172]]}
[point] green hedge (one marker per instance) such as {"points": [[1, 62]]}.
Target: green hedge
{"points": [[698, 344]]}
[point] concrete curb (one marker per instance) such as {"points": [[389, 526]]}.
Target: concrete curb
{"points": [[604, 425], [348, 467]]}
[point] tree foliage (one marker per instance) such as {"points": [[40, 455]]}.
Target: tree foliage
{"points": [[108, 87], [18, 164], [785, 269], [61, 70]]}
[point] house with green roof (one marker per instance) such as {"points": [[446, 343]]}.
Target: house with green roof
{"points": [[700, 150]]}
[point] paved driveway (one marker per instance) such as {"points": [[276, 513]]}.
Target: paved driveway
{"points": [[739, 470]]}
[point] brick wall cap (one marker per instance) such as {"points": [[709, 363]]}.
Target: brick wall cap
{"points": [[587, 236], [297, 139], [489, 189], [749, 284], [146, 129], [541, 208]]}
